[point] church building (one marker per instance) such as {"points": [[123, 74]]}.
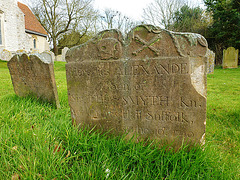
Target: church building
{"points": [[20, 29]]}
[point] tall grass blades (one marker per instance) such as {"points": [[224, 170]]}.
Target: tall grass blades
{"points": [[39, 141]]}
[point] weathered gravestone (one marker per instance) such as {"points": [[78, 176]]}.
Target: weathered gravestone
{"points": [[49, 53], [58, 58], [230, 58], [34, 51], [21, 51], [64, 51], [153, 84], [5, 55], [34, 75], [210, 61]]}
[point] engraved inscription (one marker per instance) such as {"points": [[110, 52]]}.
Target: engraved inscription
{"points": [[146, 100], [106, 69], [146, 84], [189, 103], [165, 131]]}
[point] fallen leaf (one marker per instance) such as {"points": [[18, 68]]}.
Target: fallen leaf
{"points": [[21, 167], [15, 177], [39, 175], [68, 154], [14, 147], [58, 148]]}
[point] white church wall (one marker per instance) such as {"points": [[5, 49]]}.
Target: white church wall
{"points": [[13, 33], [13, 25], [41, 43]]}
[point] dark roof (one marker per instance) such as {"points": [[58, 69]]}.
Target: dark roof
{"points": [[32, 25]]}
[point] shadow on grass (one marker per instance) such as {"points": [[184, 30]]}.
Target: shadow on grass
{"points": [[27, 101]]}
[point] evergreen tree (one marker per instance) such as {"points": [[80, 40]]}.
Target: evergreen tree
{"points": [[193, 19], [225, 30]]}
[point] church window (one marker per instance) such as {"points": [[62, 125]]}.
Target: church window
{"points": [[0, 31], [34, 44], [1, 41]]}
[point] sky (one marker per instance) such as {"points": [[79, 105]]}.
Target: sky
{"points": [[130, 8]]}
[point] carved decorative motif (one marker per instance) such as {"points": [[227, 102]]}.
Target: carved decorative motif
{"points": [[148, 44]]}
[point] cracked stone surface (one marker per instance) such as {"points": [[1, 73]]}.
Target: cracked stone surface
{"points": [[151, 83]]}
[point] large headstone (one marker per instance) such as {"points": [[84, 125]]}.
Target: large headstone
{"points": [[34, 75], [230, 58], [210, 61], [152, 84]]}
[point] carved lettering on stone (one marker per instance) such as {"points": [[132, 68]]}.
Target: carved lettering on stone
{"points": [[152, 84]]}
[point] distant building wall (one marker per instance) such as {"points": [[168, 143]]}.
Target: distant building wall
{"points": [[38, 43], [13, 33], [13, 27]]}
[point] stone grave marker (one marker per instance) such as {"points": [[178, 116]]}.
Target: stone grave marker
{"points": [[21, 51], [58, 58], [230, 58], [34, 75], [5, 55], [152, 84], [210, 61], [51, 53], [64, 51], [34, 51]]}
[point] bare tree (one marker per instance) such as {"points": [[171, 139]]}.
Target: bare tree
{"points": [[61, 16], [111, 19], [161, 12]]}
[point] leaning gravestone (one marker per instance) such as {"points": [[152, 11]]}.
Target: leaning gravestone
{"points": [[210, 61], [152, 84], [230, 58], [34, 75]]}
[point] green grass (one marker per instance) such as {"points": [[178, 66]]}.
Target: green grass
{"points": [[38, 141]]}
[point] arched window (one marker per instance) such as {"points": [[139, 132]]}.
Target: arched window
{"points": [[1, 26], [0, 31], [34, 43]]}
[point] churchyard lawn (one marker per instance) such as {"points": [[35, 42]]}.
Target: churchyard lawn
{"points": [[38, 141]]}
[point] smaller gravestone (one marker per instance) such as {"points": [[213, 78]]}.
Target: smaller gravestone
{"points": [[51, 53], [230, 58], [21, 51], [58, 58], [64, 51], [5, 55], [34, 75], [210, 61], [34, 51]]}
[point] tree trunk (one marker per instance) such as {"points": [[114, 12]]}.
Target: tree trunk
{"points": [[55, 48]]}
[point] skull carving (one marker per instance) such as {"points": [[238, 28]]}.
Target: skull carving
{"points": [[109, 48]]}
